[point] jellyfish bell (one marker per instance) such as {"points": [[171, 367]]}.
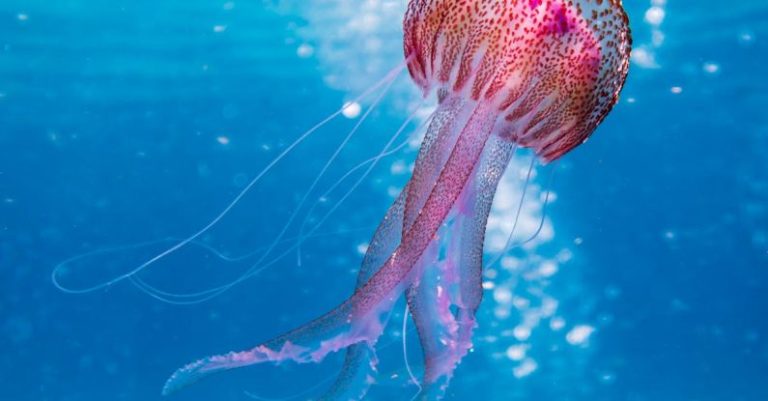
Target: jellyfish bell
{"points": [[553, 69], [540, 74]]}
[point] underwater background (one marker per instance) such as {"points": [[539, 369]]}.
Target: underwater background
{"points": [[125, 124]]}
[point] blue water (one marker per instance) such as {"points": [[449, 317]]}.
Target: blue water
{"points": [[124, 122]]}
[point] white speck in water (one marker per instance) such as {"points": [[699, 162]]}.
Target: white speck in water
{"points": [[607, 377], [676, 90], [501, 312], [521, 332], [305, 51], [351, 109], [502, 295], [655, 15], [521, 303], [548, 269], [644, 58], [219, 28], [657, 38], [510, 263], [393, 191], [527, 367], [557, 323], [398, 167], [517, 352], [711, 68], [580, 334], [746, 38], [224, 140], [362, 248], [22, 17]]}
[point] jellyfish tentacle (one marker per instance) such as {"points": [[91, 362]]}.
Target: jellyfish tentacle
{"points": [[373, 162], [210, 293], [359, 363], [433, 154], [385, 82], [544, 207], [358, 319], [509, 244], [437, 145], [445, 300]]}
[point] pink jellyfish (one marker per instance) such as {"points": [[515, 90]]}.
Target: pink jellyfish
{"points": [[540, 74]]}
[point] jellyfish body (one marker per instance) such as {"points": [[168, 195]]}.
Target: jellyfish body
{"points": [[516, 73]]}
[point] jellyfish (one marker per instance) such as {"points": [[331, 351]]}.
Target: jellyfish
{"points": [[538, 74], [507, 74]]}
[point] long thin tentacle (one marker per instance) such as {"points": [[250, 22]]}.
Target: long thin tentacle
{"points": [[358, 318], [386, 81], [371, 166], [211, 293]]}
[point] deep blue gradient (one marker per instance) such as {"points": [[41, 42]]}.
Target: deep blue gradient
{"points": [[112, 122]]}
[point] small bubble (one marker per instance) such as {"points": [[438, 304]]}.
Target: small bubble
{"points": [[657, 38], [527, 367], [501, 312], [522, 333], [607, 377], [351, 109], [219, 28], [502, 295], [746, 38], [510, 263], [517, 352], [398, 167], [393, 191], [655, 15], [362, 248], [711, 68], [224, 140], [305, 51], [521, 303], [22, 17], [676, 90], [579, 335], [548, 269], [644, 58]]}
